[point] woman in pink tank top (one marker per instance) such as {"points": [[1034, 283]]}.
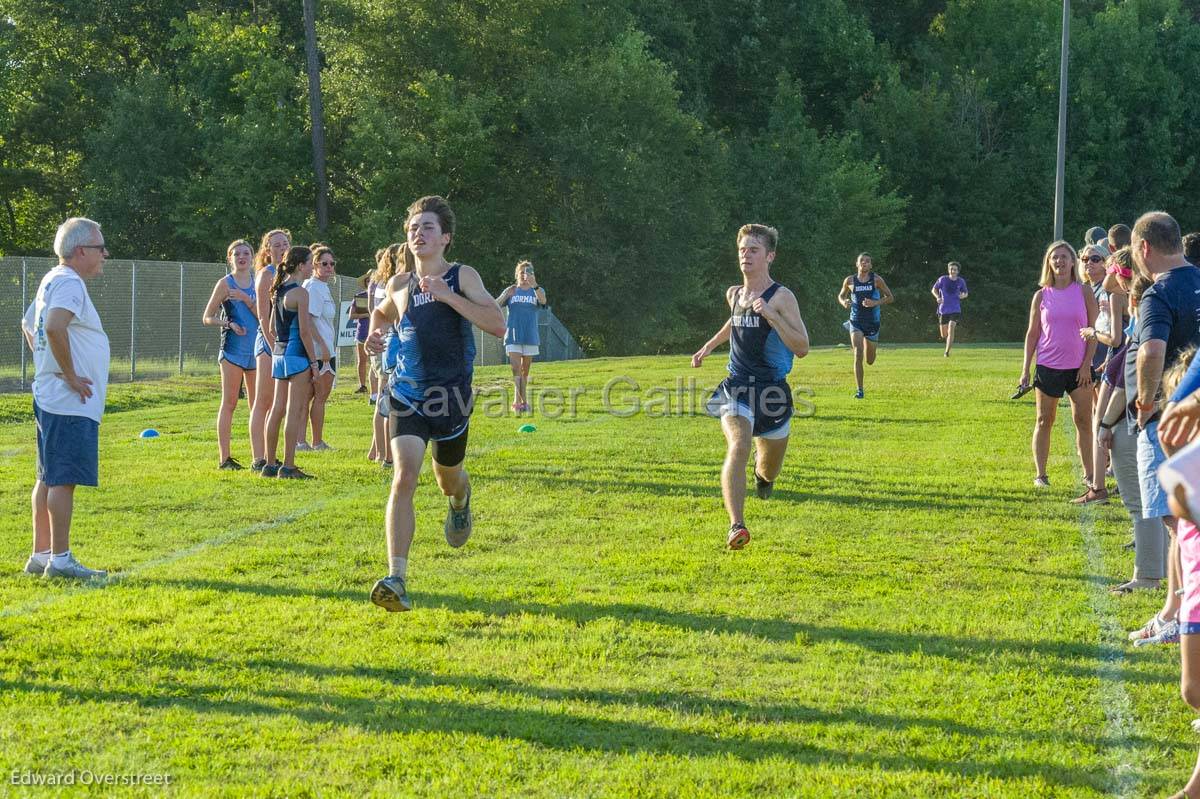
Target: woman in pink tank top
{"points": [[1061, 308]]}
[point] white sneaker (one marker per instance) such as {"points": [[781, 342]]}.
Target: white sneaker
{"points": [[303, 446], [73, 570], [36, 565]]}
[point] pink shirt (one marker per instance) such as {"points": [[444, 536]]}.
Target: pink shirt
{"points": [[1064, 313]]}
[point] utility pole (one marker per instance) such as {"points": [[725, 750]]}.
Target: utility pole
{"points": [[317, 114], [1060, 173]]}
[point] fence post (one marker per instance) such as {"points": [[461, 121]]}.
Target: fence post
{"points": [[181, 319], [24, 305], [133, 322]]}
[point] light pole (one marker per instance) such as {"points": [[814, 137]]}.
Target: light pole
{"points": [[316, 113], [1060, 173]]}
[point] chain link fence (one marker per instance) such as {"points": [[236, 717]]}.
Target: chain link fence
{"points": [[151, 311]]}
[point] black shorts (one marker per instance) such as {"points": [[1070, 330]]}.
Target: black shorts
{"points": [[947, 318], [446, 451], [1055, 382]]}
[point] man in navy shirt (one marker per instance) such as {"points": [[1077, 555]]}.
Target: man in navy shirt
{"points": [[1168, 322]]}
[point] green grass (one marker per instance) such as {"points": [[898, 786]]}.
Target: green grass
{"points": [[910, 619]]}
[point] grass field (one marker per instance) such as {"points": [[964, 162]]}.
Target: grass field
{"points": [[910, 619]]}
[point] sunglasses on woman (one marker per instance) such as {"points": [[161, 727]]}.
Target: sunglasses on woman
{"points": [[1092, 259]]}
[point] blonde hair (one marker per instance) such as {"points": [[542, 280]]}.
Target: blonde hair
{"points": [[1173, 376], [1047, 278], [264, 248], [520, 268], [397, 259]]}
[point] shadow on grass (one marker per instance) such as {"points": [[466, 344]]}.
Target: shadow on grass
{"points": [[385, 712], [1069, 658]]}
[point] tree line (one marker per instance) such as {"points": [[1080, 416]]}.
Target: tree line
{"points": [[617, 144]]}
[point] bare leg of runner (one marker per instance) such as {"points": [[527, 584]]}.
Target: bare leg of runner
{"points": [[733, 473], [858, 342]]}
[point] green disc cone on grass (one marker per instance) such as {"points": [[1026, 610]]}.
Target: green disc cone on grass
{"points": [[526, 428]]}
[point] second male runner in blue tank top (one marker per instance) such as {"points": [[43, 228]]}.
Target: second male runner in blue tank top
{"points": [[764, 332], [431, 310]]}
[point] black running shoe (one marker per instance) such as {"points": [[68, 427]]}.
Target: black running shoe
{"points": [[292, 473], [257, 465], [230, 465], [1022, 390], [269, 470], [763, 488]]}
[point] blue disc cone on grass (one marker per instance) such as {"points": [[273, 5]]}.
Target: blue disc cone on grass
{"points": [[526, 428], [149, 432]]}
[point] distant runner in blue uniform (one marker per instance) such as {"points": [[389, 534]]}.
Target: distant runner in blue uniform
{"points": [[430, 310], [271, 252], [754, 402], [523, 300], [234, 297], [862, 294]]}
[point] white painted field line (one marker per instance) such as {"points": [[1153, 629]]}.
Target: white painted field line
{"points": [[1114, 697], [164, 560]]}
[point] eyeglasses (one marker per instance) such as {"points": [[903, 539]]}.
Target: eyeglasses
{"points": [[1092, 259], [328, 263]]}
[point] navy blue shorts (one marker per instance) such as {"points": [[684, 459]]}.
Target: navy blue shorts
{"points": [[768, 406], [68, 449], [870, 330]]}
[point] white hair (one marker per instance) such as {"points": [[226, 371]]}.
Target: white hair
{"points": [[73, 233]]}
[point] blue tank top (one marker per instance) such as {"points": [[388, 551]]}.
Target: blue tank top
{"points": [[756, 352], [436, 347], [522, 326], [862, 290], [287, 325], [237, 311]]}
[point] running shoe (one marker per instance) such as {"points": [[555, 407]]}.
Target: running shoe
{"points": [[458, 523], [1041, 482], [373, 399], [230, 465], [292, 473], [73, 570], [269, 470], [739, 536], [361, 390], [859, 394], [303, 446], [258, 464], [322, 447], [36, 565], [1022, 390], [1168, 633], [391, 595], [763, 488]]}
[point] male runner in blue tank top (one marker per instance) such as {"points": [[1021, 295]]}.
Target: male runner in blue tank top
{"points": [[764, 331], [431, 310], [863, 293]]}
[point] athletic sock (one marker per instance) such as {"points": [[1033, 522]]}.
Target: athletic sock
{"points": [[61, 558], [42, 557], [399, 567]]}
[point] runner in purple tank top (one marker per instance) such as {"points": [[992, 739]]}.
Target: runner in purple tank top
{"points": [[1060, 309]]}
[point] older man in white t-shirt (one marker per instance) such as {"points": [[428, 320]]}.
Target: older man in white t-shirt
{"points": [[70, 358]]}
